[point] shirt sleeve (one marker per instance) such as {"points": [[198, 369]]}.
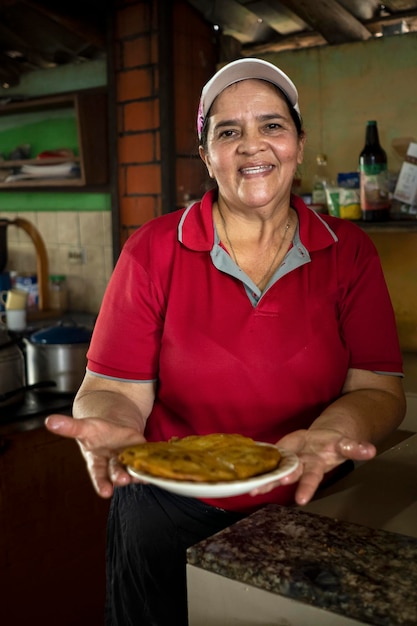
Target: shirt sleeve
{"points": [[126, 338]]}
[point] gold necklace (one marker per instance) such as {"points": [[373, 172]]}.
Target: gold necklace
{"points": [[270, 268]]}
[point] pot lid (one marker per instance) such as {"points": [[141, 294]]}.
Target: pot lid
{"points": [[62, 334]]}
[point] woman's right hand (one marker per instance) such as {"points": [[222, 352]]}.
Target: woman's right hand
{"points": [[109, 415], [100, 441]]}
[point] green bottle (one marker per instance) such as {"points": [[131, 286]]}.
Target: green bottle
{"points": [[374, 191]]}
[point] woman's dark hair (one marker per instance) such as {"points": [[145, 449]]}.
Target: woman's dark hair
{"points": [[295, 117]]}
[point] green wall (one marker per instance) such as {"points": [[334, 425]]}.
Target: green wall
{"points": [[16, 202], [49, 130], [58, 131]]}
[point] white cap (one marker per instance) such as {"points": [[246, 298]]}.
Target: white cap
{"points": [[244, 69]]}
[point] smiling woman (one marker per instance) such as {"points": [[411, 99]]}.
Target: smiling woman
{"points": [[252, 151], [251, 315]]}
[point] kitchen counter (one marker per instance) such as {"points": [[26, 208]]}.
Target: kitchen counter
{"points": [[52, 524], [381, 493], [349, 557]]}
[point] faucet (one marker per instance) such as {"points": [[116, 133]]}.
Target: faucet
{"points": [[41, 260]]}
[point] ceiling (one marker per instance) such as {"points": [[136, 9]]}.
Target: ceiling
{"points": [[262, 26], [40, 34]]}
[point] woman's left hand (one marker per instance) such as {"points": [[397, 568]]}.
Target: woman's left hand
{"points": [[319, 450], [370, 407]]}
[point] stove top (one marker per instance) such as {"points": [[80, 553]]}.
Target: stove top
{"points": [[36, 404]]}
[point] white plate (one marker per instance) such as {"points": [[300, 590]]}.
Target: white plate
{"points": [[44, 171], [226, 489]]}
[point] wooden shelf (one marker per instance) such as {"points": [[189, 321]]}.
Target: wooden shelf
{"points": [[391, 226], [34, 183], [48, 161], [90, 111]]}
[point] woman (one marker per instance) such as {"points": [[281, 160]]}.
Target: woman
{"points": [[247, 312]]}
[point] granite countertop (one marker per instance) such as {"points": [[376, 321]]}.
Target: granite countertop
{"points": [[351, 551], [367, 574]]}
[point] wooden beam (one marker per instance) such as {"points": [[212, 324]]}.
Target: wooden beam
{"points": [[409, 17], [13, 41], [87, 30], [309, 39], [330, 19], [299, 41], [234, 19], [278, 17]]}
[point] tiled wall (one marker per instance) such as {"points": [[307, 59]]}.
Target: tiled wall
{"points": [[61, 232]]}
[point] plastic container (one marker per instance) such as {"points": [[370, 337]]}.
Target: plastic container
{"points": [[28, 282]]}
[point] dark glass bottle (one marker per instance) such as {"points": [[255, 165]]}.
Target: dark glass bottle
{"points": [[374, 190]]}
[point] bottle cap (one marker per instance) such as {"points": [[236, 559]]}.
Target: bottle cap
{"points": [[57, 277]]}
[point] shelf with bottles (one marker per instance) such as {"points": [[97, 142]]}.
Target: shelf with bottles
{"points": [[77, 120], [389, 226], [395, 223]]}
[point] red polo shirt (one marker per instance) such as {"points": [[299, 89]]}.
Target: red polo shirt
{"points": [[227, 358]]}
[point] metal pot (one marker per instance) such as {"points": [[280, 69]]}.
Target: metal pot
{"points": [[58, 353], [12, 369]]}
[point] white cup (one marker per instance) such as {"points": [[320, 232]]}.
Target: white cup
{"points": [[14, 299], [14, 319]]}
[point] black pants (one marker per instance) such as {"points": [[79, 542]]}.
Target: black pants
{"points": [[149, 530]]}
